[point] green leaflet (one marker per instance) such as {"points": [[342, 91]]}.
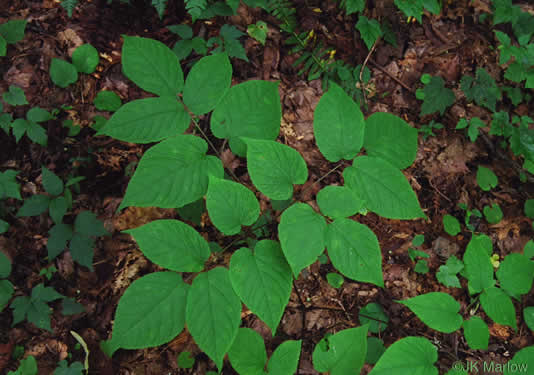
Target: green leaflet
{"points": [[260, 120], [207, 83], [172, 174], [528, 315], [369, 29], [408, 356], [354, 251], [262, 279], [384, 130], [172, 244], [383, 187], [231, 205], [437, 310], [516, 273], [338, 125], [248, 356], [498, 306], [152, 66], [338, 201], [274, 168], [478, 267], [374, 316], [151, 312], [85, 58], [51, 183], [213, 313], [147, 120], [476, 333], [486, 179], [62, 73], [302, 235], [6, 292], [342, 353], [523, 360]]}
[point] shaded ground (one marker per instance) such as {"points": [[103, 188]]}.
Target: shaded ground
{"points": [[443, 175]]}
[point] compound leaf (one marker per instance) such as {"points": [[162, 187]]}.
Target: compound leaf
{"points": [[437, 310], [408, 356], [382, 131], [172, 174], [151, 311], [207, 83], [147, 120], [261, 120], [338, 125], [172, 244], [231, 205], [274, 167], [302, 235], [262, 279], [213, 313], [354, 251], [383, 187]]}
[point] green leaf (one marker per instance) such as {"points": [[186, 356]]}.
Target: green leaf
{"points": [[375, 349], [28, 366], [338, 201], [302, 235], [522, 362], [5, 122], [160, 6], [338, 125], [335, 279], [483, 89], [15, 96], [5, 266], [81, 248], [85, 58], [383, 130], [369, 30], [185, 360], [9, 188], [447, 273], [451, 225], [528, 315], [6, 292], [353, 6], [152, 66], [383, 187], [182, 30], [411, 8], [59, 235], [408, 356], [421, 266], [213, 313], [37, 114], [13, 31], [374, 316], [193, 211], [258, 31], [231, 205], [207, 83], [493, 213], [4, 226], [478, 267], [486, 179], [261, 120], [354, 251], [62, 73], [35, 308], [274, 168], [51, 183], [75, 368], [172, 244], [107, 101], [58, 208], [433, 6], [498, 306], [230, 36], [342, 353], [147, 120], [172, 174], [34, 205], [247, 354], [529, 208], [88, 224], [262, 279], [285, 358], [151, 312], [516, 274], [437, 97], [437, 310], [3, 46], [476, 333]]}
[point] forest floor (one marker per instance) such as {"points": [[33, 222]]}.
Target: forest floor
{"points": [[449, 45]]}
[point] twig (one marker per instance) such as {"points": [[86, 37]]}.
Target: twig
{"points": [[391, 76], [365, 64]]}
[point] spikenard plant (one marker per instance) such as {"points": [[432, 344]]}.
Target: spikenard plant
{"points": [[177, 171]]}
